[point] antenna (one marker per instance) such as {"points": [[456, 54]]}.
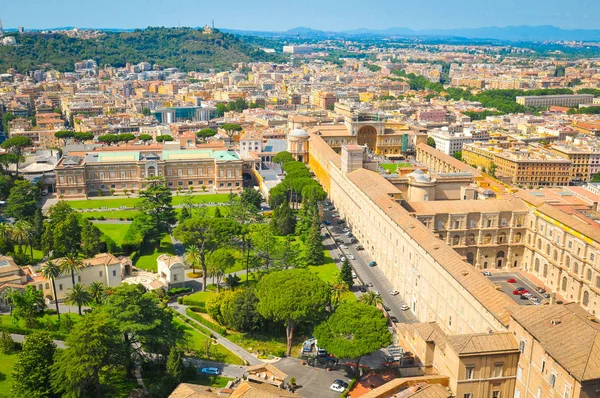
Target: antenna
{"points": [[1, 28], [213, 24]]}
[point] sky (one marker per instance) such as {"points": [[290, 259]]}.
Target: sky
{"points": [[279, 15]]}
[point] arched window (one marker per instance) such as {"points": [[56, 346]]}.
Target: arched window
{"points": [[575, 268], [470, 239], [545, 270], [518, 237], [598, 282], [586, 299], [539, 245], [588, 275], [564, 283], [567, 261], [487, 239], [548, 249], [537, 265], [529, 239], [555, 255], [456, 240], [470, 258], [502, 237], [500, 254]]}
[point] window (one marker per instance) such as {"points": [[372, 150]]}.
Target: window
{"points": [[517, 394], [114, 273], [78, 278], [589, 275], [592, 257], [567, 393], [100, 274], [564, 283], [522, 346], [543, 367], [552, 380], [469, 373], [175, 278], [519, 373], [468, 395], [495, 394], [60, 287], [586, 299], [449, 320], [47, 285], [498, 367]]}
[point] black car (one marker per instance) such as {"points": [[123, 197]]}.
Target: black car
{"points": [[385, 307], [341, 383], [523, 297], [341, 221], [394, 319], [363, 288]]}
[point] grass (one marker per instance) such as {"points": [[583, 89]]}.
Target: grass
{"points": [[116, 202], [197, 343], [329, 272], [118, 214], [115, 231], [201, 296], [393, 166], [212, 381], [147, 258], [264, 345], [7, 363], [38, 255]]}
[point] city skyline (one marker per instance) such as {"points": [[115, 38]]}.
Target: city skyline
{"points": [[271, 16]]}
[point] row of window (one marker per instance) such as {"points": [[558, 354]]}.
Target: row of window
{"points": [[60, 285]]}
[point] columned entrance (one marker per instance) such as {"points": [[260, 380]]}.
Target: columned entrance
{"points": [[367, 135]]}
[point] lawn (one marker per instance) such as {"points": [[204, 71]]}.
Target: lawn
{"points": [[37, 254], [116, 202], [115, 231], [7, 363], [198, 298], [147, 258], [263, 345], [124, 214], [393, 166], [47, 323], [212, 381], [197, 343]]}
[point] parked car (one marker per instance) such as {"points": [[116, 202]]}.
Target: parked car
{"points": [[404, 307], [346, 229], [533, 298], [210, 371], [369, 284], [487, 273], [353, 240], [341, 383], [523, 297], [394, 292], [354, 274], [327, 222], [342, 258], [349, 234], [385, 307], [522, 289], [44, 192], [321, 353], [546, 295], [359, 247], [540, 290], [337, 387], [341, 222], [512, 280], [342, 246], [351, 257], [394, 319], [339, 240], [327, 203], [518, 291], [363, 288], [372, 264]]}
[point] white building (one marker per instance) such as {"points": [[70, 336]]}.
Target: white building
{"points": [[170, 269], [250, 142], [449, 142]]}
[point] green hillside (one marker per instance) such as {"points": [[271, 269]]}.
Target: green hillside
{"points": [[184, 48]]}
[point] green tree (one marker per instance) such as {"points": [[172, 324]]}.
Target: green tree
{"points": [[283, 220], [157, 204], [251, 196], [27, 305], [371, 298], [219, 261], [78, 296], [22, 200], [144, 137], [31, 377], [83, 136], [218, 213], [431, 142], [294, 297], [232, 280], [6, 159], [51, 271], [314, 250], [71, 264], [23, 232], [353, 331], [97, 291], [283, 157], [596, 177], [346, 273], [175, 367], [163, 138], [265, 243], [148, 330], [205, 134], [38, 227], [90, 239], [286, 253], [192, 257], [6, 183], [94, 352], [457, 155], [7, 344], [231, 129], [17, 145], [240, 312], [146, 111], [492, 170], [67, 236], [338, 289]]}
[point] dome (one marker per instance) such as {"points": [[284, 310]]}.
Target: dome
{"points": [[419, 176], [299, 133]]}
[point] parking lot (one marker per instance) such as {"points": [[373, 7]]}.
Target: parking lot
{"points": [[501, 279], [315, 381]]}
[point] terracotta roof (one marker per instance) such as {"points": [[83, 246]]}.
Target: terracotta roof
{"points": [[573, 341], [468, 344], [325, 150], [185, 390], [403, 383], [468, 206], [457, 164], [268, 368], [259, 390], [429, 391], [169, 260], [7, 264]]}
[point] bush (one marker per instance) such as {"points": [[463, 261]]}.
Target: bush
{"points": [[195, 303], [101, 218], [211, 325], [7, 345], [201, 309], [179, 300], [178, 290], [350, 387], [19, 330], [194, 275]]}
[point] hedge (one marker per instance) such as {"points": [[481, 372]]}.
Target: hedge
{"points": [[19, 330], [178, 290], [194, 303], [350, 387], [211, 325]]}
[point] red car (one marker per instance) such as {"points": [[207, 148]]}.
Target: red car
{"points": [[519, 292], [512, 280]]}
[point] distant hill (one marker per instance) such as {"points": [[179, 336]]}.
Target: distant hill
{"points": [[184, 48], [507, 33]]}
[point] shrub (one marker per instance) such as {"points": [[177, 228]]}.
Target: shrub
{"points": [[101, 218], [211, 325], [191, 302], [350, 387], [179, 300], [194, 275], [7, 345], [178, 290]]}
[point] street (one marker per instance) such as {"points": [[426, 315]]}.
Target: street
{"points": [[360, 265]]}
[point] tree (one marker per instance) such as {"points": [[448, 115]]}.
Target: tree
{"points": [[38, 227], [251, 196], [346, 273], [97, 291], [175, 366], [240, 311], [218, 262], [457, 155], [232, 281], [163, 138], [231, 129], [354, 330], [31, 377], [145, 137], [205, 134], [22, 200], [192, 257], [286, 253], [94, 351], [79, 296], [67, 236], [371, 298], [596, 177], [284, 221], [431, 142], [148, 330], [338, 289], [83, 136], [28, 305], [265, 243], [293, 297], [90, 239], [6, 159], [314, 250], [146, 111], [71, 264], [51, 271], [22, 232], [17, 146], [7, 344], [283, 157], [157, 204]]}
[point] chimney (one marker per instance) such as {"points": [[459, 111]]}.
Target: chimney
{"points": [[352, 158], [555, 322]]}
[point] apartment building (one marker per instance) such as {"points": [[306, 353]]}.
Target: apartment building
{"points": [[585, 160], [568, 100], [88, 173], [449, 142]]}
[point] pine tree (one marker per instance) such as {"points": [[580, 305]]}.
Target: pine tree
{"points": [[284, 220], [175, 366], [218, 213], [90, 239], [314, 252], [31, 377], [346, 273]]}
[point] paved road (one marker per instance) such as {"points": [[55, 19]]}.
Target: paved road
{"points": [[508, 288], [236, 349], [315, 381], [364, 272], [233, 371], [19, 338]]}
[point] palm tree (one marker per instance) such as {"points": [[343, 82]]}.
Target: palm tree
{"points": [[78, 295], [6, 231], [6, 296], [192, 257], [71, 264], [97, 291], [371, 298], [51, 271], [338, 289], [22, 232]]}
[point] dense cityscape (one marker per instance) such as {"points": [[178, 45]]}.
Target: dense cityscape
{"points": [[203, 212]]}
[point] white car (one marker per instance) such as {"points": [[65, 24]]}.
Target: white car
{"points": [[337, 388], [351, 257], [394, 292], [354, 275], [346, 229], [404, 307], [342, 258], [343, 247]]}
